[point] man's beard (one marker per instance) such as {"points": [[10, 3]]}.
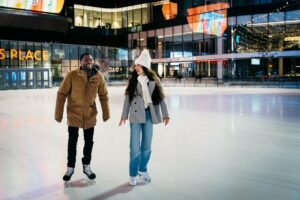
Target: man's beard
{"points": [[89, 67]]}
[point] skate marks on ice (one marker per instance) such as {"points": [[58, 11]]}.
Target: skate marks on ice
{"points": [[79, 183]]}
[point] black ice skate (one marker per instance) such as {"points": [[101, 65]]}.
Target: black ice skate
{"points": [[68, 174], [87, 171]]}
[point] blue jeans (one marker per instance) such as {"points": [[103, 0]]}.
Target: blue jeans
{"points": [[140, 147]]}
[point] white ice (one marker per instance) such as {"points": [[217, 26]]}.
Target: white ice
{"points": [[221, 144]]}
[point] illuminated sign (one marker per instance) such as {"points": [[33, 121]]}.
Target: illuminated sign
{"points": [[24, 55], [169, 10], [292, 38], [50, 6], [209, 19], [255, 61]]}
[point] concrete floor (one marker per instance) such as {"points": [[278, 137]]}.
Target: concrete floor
{"points": [[221, 144]]}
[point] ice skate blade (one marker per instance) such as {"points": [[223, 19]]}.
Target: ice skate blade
{"points": [[67, 183]]}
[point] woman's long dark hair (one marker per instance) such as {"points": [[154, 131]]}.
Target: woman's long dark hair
{"points": [[157, 95]]}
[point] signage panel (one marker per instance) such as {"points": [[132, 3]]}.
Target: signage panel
{"points": [[49, 6]]}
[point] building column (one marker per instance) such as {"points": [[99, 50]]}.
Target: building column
{"points": [[208, 69], [220, 70], [280, 61], [233, 69], [220, 62], [280, 66]]}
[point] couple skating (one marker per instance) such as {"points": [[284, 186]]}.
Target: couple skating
{"points": [[144, 104]]}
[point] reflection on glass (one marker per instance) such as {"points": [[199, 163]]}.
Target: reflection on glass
{"points": [[22, 76], [13, 76]]}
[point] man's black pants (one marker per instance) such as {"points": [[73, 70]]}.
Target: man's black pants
{"points": [[72, 145]]}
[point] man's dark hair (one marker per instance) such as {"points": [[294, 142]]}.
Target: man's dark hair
{"points": [[84, 54]]}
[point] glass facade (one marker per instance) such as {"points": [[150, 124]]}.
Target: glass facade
{"points": [[192, 38], [61, 58], [213, 44], [127, 17]]}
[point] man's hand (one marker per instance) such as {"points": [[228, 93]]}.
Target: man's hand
{"points": [[105, 119], [58, 120]]}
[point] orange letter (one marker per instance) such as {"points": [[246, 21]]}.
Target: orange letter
{"points": [[20, 55], [13, 53], [2, 54], [36, 56], [29, 55], [45, 55]]}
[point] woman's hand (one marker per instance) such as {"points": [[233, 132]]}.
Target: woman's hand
{"points": [[166, 120], [122, 121]]}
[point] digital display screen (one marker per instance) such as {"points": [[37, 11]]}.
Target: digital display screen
{"points": [[209, 19], [169, 10], [50, 6]]}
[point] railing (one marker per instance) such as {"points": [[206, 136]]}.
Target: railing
{"points": [[283, 82]]}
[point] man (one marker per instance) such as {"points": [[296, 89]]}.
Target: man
{"points": [[80, 87]]}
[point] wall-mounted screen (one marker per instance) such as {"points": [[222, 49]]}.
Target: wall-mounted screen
{"points": [[209, 19], [50, 6]]}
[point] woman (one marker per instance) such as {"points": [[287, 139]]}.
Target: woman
{"points": [[144, 102]]}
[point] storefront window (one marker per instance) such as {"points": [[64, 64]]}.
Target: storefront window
{"points": [[112, 54], [30, 62], [14, 62], [129, 41], [97, 18], [65, 57], [56, 62], [130, 16], [60, 58], [151, 43], [47, 58], [135, 40], [78, 15], [160, 43], [292, 35], [177, 34], [37, 62], [124, 17], [276, 31], [74, 56], [187, 33], [117, 20], [107, 19], [168, 42], [143, 39], [244, 19], [82, 49], [145, 13], [22, 47], [137, 16]]}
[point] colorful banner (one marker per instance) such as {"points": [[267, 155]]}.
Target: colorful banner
{"points": [[50, 6]]}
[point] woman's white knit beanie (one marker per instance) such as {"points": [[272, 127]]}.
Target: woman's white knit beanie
{"points": [[144, 59]]}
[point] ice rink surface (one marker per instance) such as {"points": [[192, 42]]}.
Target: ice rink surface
{"points": [[221, 144]]}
